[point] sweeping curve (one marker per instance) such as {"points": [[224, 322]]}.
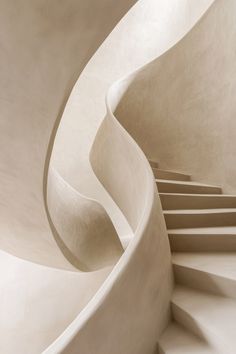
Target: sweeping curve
{"points": [[123, 170], [42, 274], [76, 251], [195, 112], [147, 222]]}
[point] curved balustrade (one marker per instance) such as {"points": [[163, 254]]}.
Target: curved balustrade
{"points": [[85, 233], [120, 165], [137, 292]]}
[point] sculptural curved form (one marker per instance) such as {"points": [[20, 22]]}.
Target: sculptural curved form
{"points": [[74, 270], [42, 65], [188, 112], [122, 168], [112, 303]]}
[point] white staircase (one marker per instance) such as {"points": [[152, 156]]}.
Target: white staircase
{"points": [[178, 340], [201, 225]]}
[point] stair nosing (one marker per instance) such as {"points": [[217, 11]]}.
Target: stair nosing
{"points": [[198, 195], [189, 183], [199, 211], [202, 230]]}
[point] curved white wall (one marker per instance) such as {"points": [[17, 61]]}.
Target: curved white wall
{"points": [[187, 109], [37, 74], [35, 87], [124, 172], [83, 229], [131, 309], [149, 29], [44, 48]]}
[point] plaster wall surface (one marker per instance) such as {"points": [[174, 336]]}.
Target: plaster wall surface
{"points": [[44, 47], [148, 30], [121, 167], [46, 257], [185, 115]]}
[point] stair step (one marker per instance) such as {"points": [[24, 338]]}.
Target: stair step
{"points": [[208, 316], [190, 218], [153, 164], [170, 186], [170, 175], [197, 201], [211, 272], [203, 239], [178, 340]]}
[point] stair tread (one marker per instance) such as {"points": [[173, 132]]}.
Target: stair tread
{"points": [[171, 171], [218, 263], [153, 163], [173, 201], [219, 230], [212, 313], [198, 194], [162, 174], [200, 211], [178, 340], [189, 183], [180, 186]]}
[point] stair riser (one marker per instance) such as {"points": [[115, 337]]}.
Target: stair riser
{"points": [[193, 325], [161, 174], [181, 317], [196, 202], [202, 243], [179, 221], [178, 340], [204, 281], [153, 164], [185, 188]]}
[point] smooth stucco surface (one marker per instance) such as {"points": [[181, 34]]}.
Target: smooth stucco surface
{"points": [[186, 103], [44, 47], [148, 30], [58, 244]]}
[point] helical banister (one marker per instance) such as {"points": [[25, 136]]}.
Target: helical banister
{"points": [[143, 270]]}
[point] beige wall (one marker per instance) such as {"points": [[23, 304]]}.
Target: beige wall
{"points": [[113, 316], [44, 47], [149, 29], [124, 172], [135, 303], [185, 112]]}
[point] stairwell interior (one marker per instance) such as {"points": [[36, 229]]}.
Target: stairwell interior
{"points": [[118, 198]]}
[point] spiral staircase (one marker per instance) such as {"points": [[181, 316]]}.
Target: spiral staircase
{"points": [[141, 261], [201, 228]]}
